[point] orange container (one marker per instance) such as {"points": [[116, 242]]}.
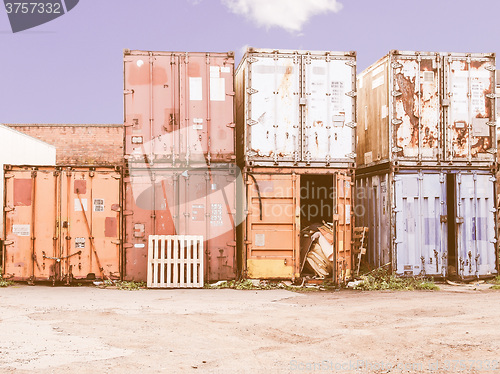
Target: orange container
{"points": [[62, 223], [286, 201]]}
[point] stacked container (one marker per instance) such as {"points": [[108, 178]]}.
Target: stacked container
{"points": [[426, 157], [295, 120], [180, 154]]}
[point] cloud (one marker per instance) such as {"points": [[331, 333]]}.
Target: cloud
{"points": [[290, 15]]}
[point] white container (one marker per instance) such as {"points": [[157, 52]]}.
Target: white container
{"points": [[296, 108], [17, 148]]}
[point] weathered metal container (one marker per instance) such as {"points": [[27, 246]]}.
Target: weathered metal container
{"points": [[296, 108], [62, 223], [21, 149], [430, 222], [179, 107], [183, 201], [282, 202], [423, 108]]}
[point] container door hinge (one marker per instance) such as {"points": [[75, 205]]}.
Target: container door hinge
{"points": [[251, 122], [8, 209], [492, 124], [397, 121], [251, 91], [459, 220], [251, 60], [396, 65], [490, 67], [352, 125], [231, 244], [128, 212], [492, 151], [231, 125], [232, 93], [351, 93], [8, 242], [443, 219], [128, 245], [396, 93], [351, 155], [128, 92], [490, 96], [351, 63]]}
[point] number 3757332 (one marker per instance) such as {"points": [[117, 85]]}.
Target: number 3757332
{"points": [[25, 8]]}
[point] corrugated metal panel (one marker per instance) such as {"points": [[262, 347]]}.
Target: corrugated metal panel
{"points": [[182, 202], [420, 240], [436, 107], [20, 149], [296, 107], [62, 223], [179, 106], [476, 224], [435, 222]]}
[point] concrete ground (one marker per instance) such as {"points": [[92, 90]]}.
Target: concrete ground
{"points": [[91, 330]]}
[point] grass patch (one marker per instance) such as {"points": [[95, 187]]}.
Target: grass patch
{"points": [[496, 283], [249, 284], [384, 280], [130, 286], [4, 282]]}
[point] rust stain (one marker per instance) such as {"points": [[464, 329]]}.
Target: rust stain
{"points": [[407, 88], [81, 187], [110, 227]]}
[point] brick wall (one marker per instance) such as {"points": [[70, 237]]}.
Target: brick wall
{"points": [[80, 144]]}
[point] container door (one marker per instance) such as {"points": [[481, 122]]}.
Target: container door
{"points": [[151, 100], [30, 213], [343, 235], [207, 208], [329, 110], [147, 195], [272, 235], [273, 121], [416, 97], [475, 225], [470, 118], [421, 230]]}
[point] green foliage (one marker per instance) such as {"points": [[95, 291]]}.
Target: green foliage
{"points": [[130, 286], [496, 283], [381, 279], [4, 282]]}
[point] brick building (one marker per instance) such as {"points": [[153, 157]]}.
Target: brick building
{"points": [[81, 144]]}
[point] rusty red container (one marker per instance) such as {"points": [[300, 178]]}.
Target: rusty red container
{"points": [[181, 201], [179, 107], [62, 223]]}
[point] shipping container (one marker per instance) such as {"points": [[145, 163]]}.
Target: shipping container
{"points": [[430, 222], [182, 201], [296, 108], [21, 149], [282, 203], [179, 107], [62, 223], [424, 109]]}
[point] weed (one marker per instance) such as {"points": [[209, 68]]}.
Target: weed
{"points": [[130, 286], [496, 283], [4, 282], [381, 279]]}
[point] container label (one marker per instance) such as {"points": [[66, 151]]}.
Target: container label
{"points": [[98, 205], [348, 214], [377, 70], [214, 72], [78, 206], [368, 158], [260, 240], [338, 95], [225, 69], [216, 214], [195, 89], [139, 245], [21, 230], [79, 243], [217, 89]]}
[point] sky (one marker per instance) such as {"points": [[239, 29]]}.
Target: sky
{"points": [[70, 70]]}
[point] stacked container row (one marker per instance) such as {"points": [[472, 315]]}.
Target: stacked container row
{"points": [[180, 156], [295, 121], [426, 157]]}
